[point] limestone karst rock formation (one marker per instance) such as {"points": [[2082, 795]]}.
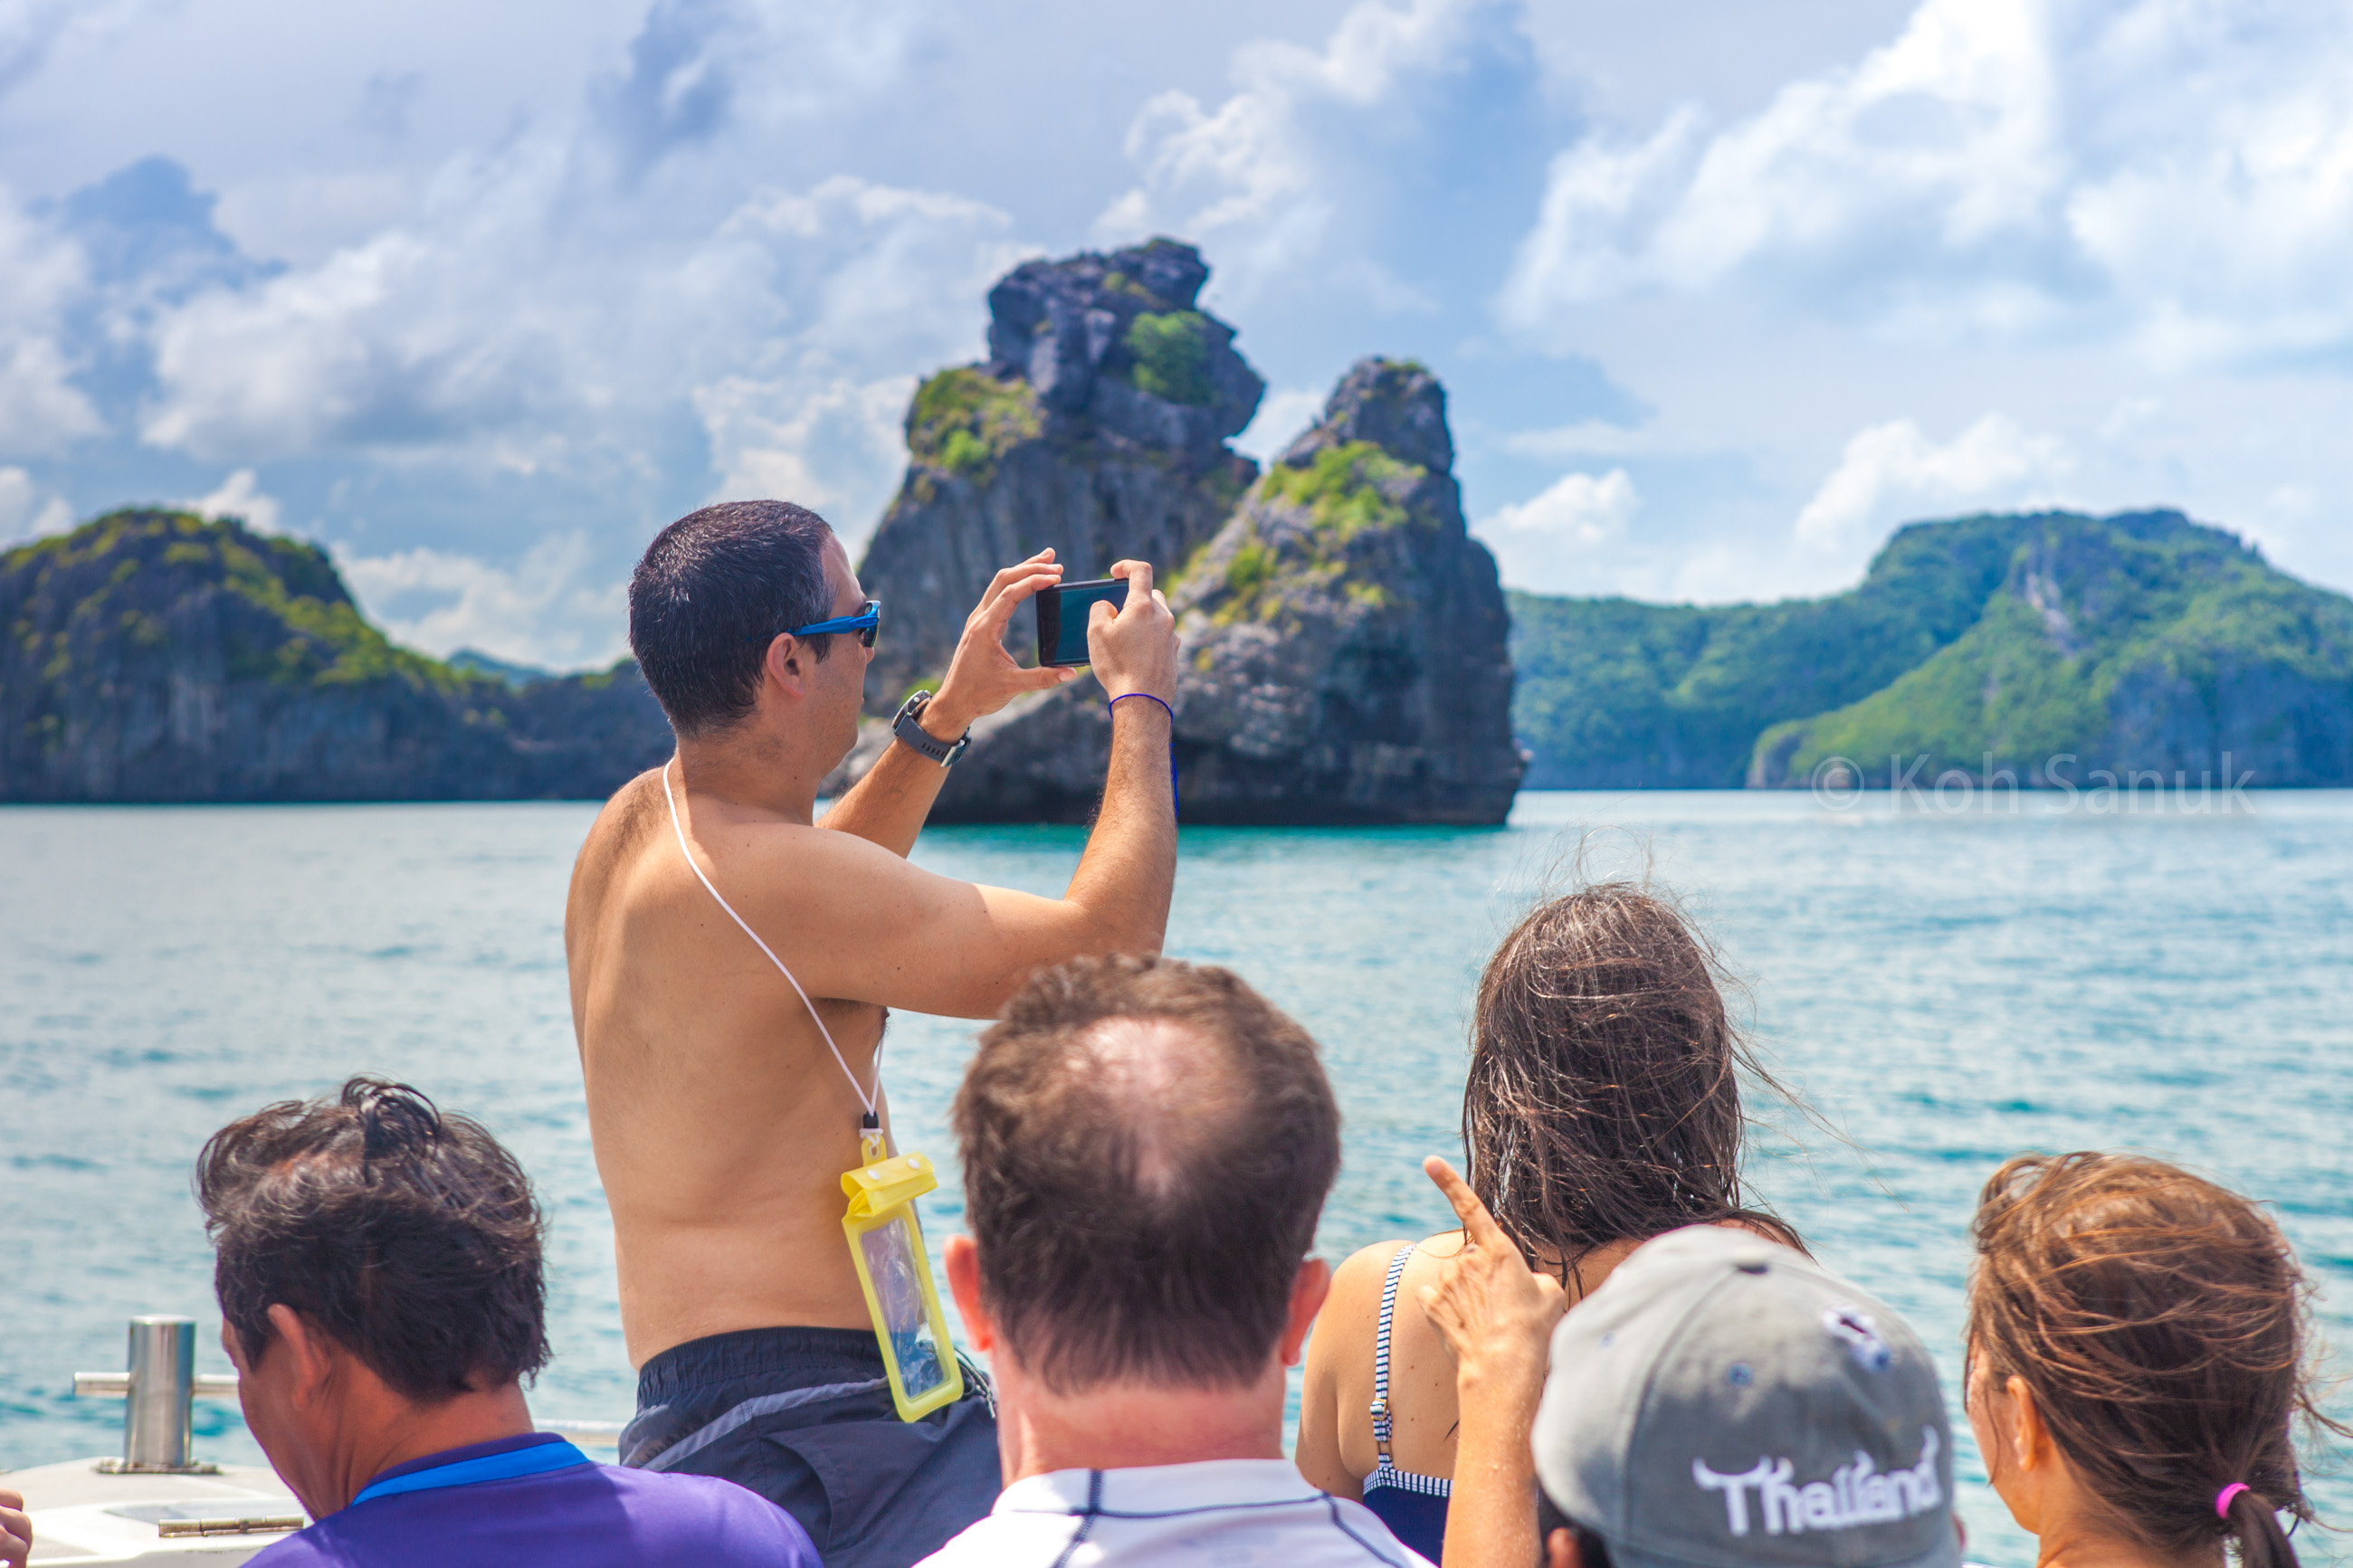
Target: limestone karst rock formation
{"points": [[1344, 644], [1096, 426], [156, 655], [2044, 646], [2141, 647]]}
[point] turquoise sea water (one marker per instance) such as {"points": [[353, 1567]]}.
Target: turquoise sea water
{"points": [[1947, 990]]}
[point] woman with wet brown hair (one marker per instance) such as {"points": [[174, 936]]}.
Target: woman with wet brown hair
{"points": [[2138, 1361], [1602, 1108]]}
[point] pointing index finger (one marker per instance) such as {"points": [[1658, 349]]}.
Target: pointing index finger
{"points": [[1477, 1222]]}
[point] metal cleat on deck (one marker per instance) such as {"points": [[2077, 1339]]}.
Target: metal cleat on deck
{"points": [[160, 1383]]}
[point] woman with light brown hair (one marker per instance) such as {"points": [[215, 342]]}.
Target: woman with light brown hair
{"points": [[1602, 1108], [2139, 1359]]}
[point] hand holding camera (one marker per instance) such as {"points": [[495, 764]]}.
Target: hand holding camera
{"points": [[1131, 642], [982, 676]]}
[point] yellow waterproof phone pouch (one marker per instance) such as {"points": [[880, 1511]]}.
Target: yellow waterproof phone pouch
{"points": [[895, 1272]]}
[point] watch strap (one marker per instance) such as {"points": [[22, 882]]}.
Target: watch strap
{"points": [[909, 728]]}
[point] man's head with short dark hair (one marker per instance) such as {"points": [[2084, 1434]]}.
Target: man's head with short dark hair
{"points": [[406, 1235], [710, 594], [1147, 1145]]}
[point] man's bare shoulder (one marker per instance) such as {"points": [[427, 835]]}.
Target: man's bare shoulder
{"points": [[752, 852], [628, 819]]}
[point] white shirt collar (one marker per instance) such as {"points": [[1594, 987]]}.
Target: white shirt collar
{"points": [[1154, 1488]]}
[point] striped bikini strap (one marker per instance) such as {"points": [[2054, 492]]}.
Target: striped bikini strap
{"points": [[1381, 1354]]}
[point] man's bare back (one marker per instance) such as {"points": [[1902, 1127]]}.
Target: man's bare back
{"points": [[721, 1126], [720, 1121]]}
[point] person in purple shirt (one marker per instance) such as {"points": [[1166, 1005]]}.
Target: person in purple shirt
{"points": [[384, 1298]]}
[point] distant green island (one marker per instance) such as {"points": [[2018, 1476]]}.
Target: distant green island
{"points": [[2140, 641], [154, 656]]}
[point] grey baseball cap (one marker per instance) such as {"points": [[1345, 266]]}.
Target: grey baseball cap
{"points": [[1722, 1401]]}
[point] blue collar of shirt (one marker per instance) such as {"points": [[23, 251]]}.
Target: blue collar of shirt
{"points": [[505, 1460]]}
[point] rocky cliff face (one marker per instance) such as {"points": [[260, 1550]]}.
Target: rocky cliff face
{"points": [[1096, 426], [1344, 646], [152, 656]]}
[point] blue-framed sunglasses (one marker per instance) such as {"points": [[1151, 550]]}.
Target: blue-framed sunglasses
{"points": [[865, 623]]}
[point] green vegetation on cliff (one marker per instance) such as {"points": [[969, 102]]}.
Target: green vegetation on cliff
{"points": [[1341, 493], [309, 634], [2140, 639], [2128, 644], [1171, 354], [963, 420], [153, 655], [1347, 489]]}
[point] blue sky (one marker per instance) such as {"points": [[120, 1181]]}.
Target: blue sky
{"points": [[482, 296]]}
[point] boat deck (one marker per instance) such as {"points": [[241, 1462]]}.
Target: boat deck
{"points": [[84, 1516]]}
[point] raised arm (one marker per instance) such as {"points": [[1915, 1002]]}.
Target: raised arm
{"points": [[1497, 1317], [857, 921], [889, 804], [1128, 874]]}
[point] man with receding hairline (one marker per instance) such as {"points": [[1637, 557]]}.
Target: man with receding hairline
{"points": [[1147, 1145], [731, 962]]}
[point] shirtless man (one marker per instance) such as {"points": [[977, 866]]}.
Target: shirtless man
{"points": [[723, 1107]]}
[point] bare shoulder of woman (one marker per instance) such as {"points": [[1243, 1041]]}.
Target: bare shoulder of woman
{"points": [[1338, 1373], [1443, 1245], [1356, 1285]]}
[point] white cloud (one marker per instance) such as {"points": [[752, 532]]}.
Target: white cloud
{"points": [[1572, 537], [240, 496], [1893, 471], [1251, 163], [2173, 177], [1309, 143], [17, 497], [1582, 511], [629, 255], [830, 447], [1283, 417], [1583, 439], [534, 612], [492, 323], [1941, 142], [41, 274], [2230, 230], [26, 511], [858, 273]]}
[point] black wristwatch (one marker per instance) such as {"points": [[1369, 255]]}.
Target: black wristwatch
{"points": [[909, 726]]}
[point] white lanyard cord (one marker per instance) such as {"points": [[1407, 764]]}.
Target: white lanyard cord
{"points": [[865, 1098]]}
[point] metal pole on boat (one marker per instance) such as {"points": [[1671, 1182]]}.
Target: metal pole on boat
{"points": [[155, 1425], [157, 1382]]}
